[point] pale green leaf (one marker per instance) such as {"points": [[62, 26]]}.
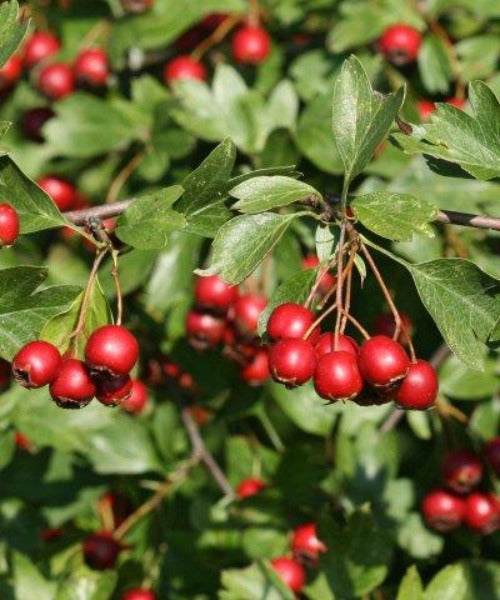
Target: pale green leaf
{"points": [[256, 582], [434, 64], [13, 28], [84, 583], [411, 587], [29, 582]]}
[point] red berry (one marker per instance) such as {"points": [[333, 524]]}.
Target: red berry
{"points": [[245, 313], [60, 190], [36, 364], [425, 109], [290, 571], [251, 45], [305, 542], [91, 67], [326, 344], [482, 513], [291, 320], [112, 348], [419, 388], [33, 121], [101, 550], [171, 369], [443, 511], [73, 386], [10, 72], [183, 67], [256, 372], [200, 414], [292, 361], [311, 261], [22, 441], [213, 293], [203, 329], [138, 399], [138, 595], [382, 361], [39, 47], [385, 324], [211, 22], [51, 533], [9, 225], [457, 102], [250, 486], [400, 44], [491, 452], [56, 81], [112, 390], [337, 376], [462, 470], [5, 371]]}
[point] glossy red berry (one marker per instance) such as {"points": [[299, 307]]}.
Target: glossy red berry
{"points": [[462, 470], [203, 329], [256, 372], [400, 44], [101, 550], [213, 293], [113, 390], [184, 67], [22, 441], [305, 542], [56, 81], [9, 225], [36, 364], [73, 386], [290, 320], [491, 452], [91, 68], [385, 324], [5, 372], [337, 376], [112, 348], [442, 510], [419, 388], [139, 594], [33, 121], [482, 513], [10, 72], [245, 313], [382, 361], [60, 190], [292, 361], [326, 344], [251, 45], [425, 109], [250, 486], [290, 571], [39, 47], [138, 398], [459, 103]]}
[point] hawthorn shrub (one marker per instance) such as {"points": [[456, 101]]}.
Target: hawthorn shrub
{"points": [[249, 300]]}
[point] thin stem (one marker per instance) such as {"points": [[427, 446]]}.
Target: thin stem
{"points": [[321, 273], [347, 305], [216, 37], [271, 431], [319, 320], [340, 282], [116, 279], [253, 13], [356, 324], [122, 177]]}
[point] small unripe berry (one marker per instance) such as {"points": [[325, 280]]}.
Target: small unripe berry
{"points": [[101, 550], [112, 390], [382, 361], [250, 486], [400, 44], [491, 452], [482, 513], [36, 364], [419, 388], [72, 387], [9, 225], [33, 121], [213, 293], [290, 571], [203, 329], [39, 47], [462, 470], [112, 348], [251, 45], [442, 510], [245, 313], [326, 344], [337, 376], [60, 190], [139, 595], [305, 542], [91, 68], [290, 320], [256, 372], [184, 67], [138, 398], [10, 72], [292, 361], [56, 81]]}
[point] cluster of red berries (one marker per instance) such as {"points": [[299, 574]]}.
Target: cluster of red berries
{"points": [[110, 354], [376, 372], [446, 509]]}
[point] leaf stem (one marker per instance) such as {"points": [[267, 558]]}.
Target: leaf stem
{"points": [[216, 37], [116, 279]]}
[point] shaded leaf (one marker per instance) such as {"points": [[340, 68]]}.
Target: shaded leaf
{"points": [[12, 29]]}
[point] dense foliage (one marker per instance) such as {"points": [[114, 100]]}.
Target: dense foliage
{"points": [[286, 166]]}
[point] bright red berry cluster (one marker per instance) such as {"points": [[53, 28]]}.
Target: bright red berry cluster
{"points": [[447, 509]]}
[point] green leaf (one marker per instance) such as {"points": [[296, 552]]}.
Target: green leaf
{"points": [[13, 28], [361, 117], [242, 243], [29, 582], [326, 240], [265, 193], [36, 210], [477, 580], [283, 106], [23, 312], [86, 584], [473, 142], [417, 539], [411, 587], [148, 220], [460, 382], [434, 65], [256, 582], [395, 216]]}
